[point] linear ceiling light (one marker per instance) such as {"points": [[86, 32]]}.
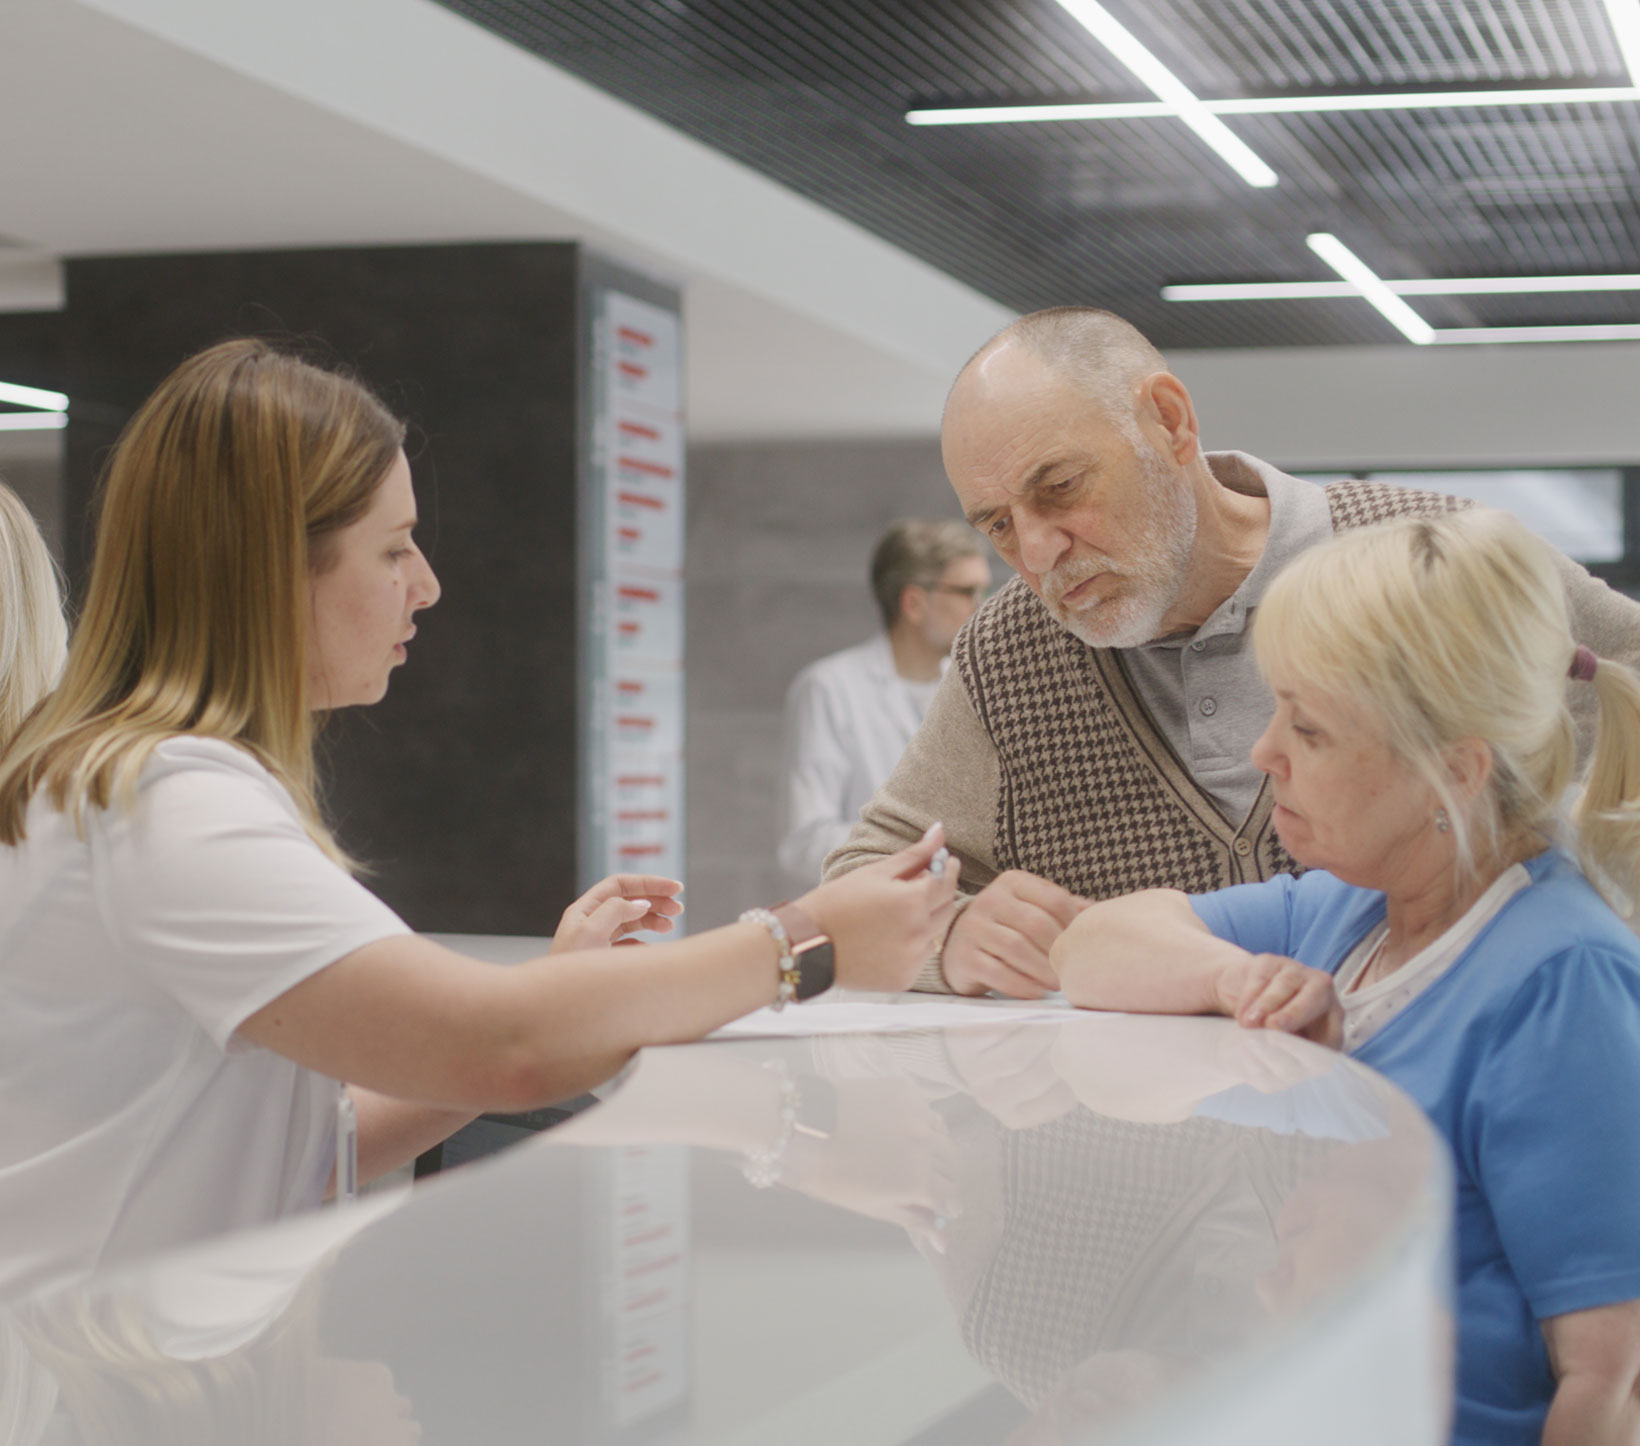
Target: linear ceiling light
{"points": [[1412, 286], [1356, 271], [1273, 105], [33, 397], [1167, 87], [1481, 335], [1625, 19], [32, 421]]}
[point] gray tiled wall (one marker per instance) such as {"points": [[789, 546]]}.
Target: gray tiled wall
{"points": [[780, 535]]}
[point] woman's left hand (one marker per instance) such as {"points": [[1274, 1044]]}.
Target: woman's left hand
{"points": [[1270, 991], [616, 907]]}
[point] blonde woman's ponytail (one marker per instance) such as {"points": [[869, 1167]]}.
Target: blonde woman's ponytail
{"points": [[1607, 815]]}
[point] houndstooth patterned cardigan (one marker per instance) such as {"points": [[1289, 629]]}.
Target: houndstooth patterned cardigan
{"points": [[1091, 795]]}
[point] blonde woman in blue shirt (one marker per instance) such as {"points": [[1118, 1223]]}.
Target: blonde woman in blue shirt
{"points": [[1419, 752]]}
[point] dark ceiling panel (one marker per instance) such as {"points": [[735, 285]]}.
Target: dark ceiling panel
{"points": [[813, 93]]}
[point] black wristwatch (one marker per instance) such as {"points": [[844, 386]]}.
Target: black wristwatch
{"points": [[813, 957]]}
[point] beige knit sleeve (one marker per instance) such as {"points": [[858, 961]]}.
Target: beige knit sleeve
{"points": [[949, 772], [1606, 621]]}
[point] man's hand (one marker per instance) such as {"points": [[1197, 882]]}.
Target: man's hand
{"points": [[1001, 940]]}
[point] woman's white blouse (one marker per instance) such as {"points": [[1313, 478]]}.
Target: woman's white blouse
{"points": [[1368, 1010], [132, 1117]]}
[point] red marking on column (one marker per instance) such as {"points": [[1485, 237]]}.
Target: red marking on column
{"points": [[637, 429], [637, 499], [632, 369], [632, 334], [637, 594], [649, 469]]}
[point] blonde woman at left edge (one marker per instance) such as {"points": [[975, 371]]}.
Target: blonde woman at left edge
{"points": [[33, 636]]}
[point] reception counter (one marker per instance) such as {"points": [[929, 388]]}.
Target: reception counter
{"points": [[926, 1223]]}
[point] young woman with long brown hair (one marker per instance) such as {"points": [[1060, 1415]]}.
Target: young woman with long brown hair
{"points": [[187, 965]]}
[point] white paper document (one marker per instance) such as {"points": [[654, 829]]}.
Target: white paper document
{"points": [[894, 1014]]}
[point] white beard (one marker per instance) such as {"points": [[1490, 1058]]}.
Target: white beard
{"points": [[1154, 572]]}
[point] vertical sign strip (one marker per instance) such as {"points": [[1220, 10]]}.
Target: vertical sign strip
{"points": [[633, 816]]}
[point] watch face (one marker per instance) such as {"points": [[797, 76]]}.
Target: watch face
{"points": [[816, 970]]}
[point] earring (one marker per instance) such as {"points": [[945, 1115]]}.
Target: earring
{"points": [[1442, 823]]}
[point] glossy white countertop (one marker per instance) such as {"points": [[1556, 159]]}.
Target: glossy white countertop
{"points": [[1033, 1229]]}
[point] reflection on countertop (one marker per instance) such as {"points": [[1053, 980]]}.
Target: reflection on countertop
{"points": [[1032, 1231]]}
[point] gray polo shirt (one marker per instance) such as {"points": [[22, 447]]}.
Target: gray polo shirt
{"points": [[1203, 689]]}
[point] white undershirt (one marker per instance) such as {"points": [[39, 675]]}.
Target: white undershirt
{"points": [[1368, 1010]]}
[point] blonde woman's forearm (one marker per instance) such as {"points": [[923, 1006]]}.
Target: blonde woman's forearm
{"points": [[1145, 953]]}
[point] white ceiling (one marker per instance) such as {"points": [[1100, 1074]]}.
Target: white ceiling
{"points": [[174, 125]]}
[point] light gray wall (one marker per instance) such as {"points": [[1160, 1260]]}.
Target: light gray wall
{"points": [[780, 537], [1418, 406]]}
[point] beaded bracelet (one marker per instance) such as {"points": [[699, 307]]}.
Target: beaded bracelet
{"points": [[788, 962]]}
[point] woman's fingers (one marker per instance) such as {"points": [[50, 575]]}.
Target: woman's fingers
{"points": [[601, 927], [909, 862], [649, 923], [658, 890], [1283, 994], [1271, 985]]}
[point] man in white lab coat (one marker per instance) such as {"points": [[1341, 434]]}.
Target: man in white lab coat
{"points": [[850, 715]]}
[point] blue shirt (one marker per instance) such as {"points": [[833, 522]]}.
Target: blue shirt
{"points": [[1525, 1054]]}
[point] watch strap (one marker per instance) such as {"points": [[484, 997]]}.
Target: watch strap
{"points": [[813, 956]]}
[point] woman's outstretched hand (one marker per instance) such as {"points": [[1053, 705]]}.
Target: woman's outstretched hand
{"points": [[616, 907], [887, 918], [1269, 991]]}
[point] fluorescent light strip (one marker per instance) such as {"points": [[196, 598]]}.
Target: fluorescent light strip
{"points": [[33, 421], [988, 115], [1482, 335], [1625, 20], [1417, 286], [1271, 105], [33, 397], [1167, 87], [1373, 291], [1421, 100]]}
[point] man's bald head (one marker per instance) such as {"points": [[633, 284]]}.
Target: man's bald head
{"points": [[1102, 356]]}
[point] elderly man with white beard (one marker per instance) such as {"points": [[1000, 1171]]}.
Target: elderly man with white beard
{"points": [[1094, 735]]}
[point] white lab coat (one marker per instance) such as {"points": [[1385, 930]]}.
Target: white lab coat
{"points": [[848, 720]]}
